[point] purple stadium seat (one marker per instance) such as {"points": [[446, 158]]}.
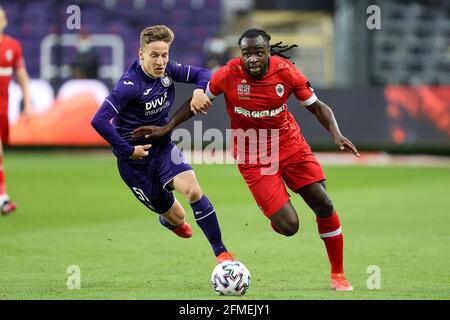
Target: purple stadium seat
{"points": [[150, 16], [155, 4], [180, 17], [183, 4], [124, 5], [212, 4], [12, 10], [211, 17], [197, 5]]}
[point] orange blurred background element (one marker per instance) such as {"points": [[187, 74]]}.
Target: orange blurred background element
{"points": [[67, 122]]}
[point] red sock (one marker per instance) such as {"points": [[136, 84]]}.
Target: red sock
{"points": [[330, 232], [2, 178]]}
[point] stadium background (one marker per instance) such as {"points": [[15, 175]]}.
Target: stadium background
{"points": [[389, 89]]}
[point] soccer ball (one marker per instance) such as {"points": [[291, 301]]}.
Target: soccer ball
{"points": [[230, 278]]}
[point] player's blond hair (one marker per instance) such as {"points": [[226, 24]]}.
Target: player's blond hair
{"points": [[156, 33]]}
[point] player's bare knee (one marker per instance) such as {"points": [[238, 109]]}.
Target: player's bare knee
{"points": [[289, 227], [193, 194], [293, 228], [290, 230], [325, 208]]}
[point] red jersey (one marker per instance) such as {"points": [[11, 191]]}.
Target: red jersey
{"points": [[262, 103], [11, 59]]}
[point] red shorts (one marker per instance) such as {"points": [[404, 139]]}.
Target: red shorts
{"points": [[297, 171], [4, 128]]}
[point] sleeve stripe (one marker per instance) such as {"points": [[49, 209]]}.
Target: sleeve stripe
{"points": [[309, 101], [208, 92], [189, 71], [112, 105], [6, 71]]}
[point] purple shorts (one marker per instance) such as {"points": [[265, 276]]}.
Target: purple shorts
{"points": [[148, 179]]}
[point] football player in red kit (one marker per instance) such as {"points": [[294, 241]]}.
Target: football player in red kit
{"points": [[256, 87], [11, 60]]}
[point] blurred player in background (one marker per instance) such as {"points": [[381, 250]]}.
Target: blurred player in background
{"points": [[256, 87], [152, 169], [11, 60]]}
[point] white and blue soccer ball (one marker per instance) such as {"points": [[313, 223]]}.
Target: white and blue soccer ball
{"points": [[230, 278]]}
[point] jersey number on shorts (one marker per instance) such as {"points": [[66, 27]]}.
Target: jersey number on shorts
{"points": [[141, 195]]}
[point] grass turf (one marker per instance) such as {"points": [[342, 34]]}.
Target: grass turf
{"points": [[75, 210]]}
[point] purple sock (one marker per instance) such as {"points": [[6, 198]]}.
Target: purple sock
{"points": [[206, 218]]}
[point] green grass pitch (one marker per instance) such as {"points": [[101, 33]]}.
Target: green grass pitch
{"points": [[75, 210]]}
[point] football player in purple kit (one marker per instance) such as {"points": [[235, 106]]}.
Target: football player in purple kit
{"points": [[153, 169]]}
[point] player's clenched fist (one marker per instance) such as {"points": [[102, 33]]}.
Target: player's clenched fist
{"points": [[140, 152], [200, 102]]}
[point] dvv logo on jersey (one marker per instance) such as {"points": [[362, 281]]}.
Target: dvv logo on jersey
{"points": [[156, 105]]}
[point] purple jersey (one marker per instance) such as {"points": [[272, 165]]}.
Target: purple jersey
{"points": [[139, 99]]}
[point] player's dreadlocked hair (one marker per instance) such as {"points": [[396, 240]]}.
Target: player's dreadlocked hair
{"points": [[276, 49]]}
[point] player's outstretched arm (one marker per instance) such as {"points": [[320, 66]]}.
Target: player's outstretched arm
{"points": [[326, 117], [153, 132]]}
